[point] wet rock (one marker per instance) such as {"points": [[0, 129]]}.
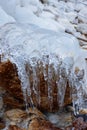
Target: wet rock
{"points": [[35, 113], [38, 121], [37, 124], [32, 120], [11, 102], [14, 127], [16, 115], [9, 79], [10, 82]]}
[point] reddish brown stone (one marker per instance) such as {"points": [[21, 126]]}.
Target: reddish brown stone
{"points": [[79, 124], [10, 82], [14, 127], [38, 124], [9, 79]]}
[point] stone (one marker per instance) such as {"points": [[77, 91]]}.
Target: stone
{"points": [[82, 28], [10, 81], [14, 127], [38, 121], [35, 113], [11, 102], [15, 115], [37, 124], [79, 124], [82, 15], [83, 111], [33, 119], [1, 103], [2, 124]]}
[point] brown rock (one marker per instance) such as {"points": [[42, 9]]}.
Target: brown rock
{"points": [[11, 102], [9, 79], [79, 124], [16, 115], [34, 120], [2, 124], [35, 113], [38, 121], [38, 124], [83, 111], [10, 82], [14, 127]]}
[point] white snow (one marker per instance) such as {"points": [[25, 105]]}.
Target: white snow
{"points": [[4, 18]]}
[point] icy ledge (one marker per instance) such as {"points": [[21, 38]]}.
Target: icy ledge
{"points": [[59, 52]]}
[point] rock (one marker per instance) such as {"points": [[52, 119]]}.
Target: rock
{"points": [[82, 43], [82, 15], [11, 102], [44, 1], [32, 120], [38, 121], [82, 28], [37, 124], [10, 82], [1, 103], [60, 119], [35, 113], [2, 124], [9, 79], [79, 124], [16, 115], [14, 127], [83, 111]]}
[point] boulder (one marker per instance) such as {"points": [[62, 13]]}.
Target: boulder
{"points": [[33, 119], [15, 115], [14, 127], [37, 124], [13, 97]]}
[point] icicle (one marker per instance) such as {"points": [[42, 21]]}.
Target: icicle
{"points": [[50, 91]]}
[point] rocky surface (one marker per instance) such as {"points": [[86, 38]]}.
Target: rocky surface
{"points": [[13, 98], [33, 119]]}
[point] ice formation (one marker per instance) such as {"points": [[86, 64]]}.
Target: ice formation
{"points": [[29, 40]]}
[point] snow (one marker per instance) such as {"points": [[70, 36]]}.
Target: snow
{"points": [[4, 18]]}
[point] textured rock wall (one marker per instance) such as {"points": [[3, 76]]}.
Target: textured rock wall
{"points": [[13, 96]]}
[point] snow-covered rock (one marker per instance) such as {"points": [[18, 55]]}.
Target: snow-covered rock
{"points": [[82, 15], [82, 28]]}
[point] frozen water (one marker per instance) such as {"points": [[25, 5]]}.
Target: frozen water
{"points": [[32, 33]]}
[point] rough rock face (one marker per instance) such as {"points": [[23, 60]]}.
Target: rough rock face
{"points": [[14, 127], [9, 79], [14, 97], [37, 124], [33, 120]]}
